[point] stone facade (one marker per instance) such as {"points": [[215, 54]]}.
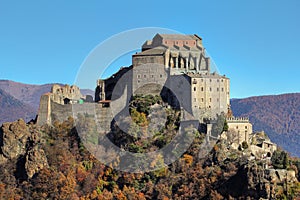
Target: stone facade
{"points": [[176, 55], [241, 127], [65, 94]]}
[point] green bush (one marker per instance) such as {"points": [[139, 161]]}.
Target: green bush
{"points": [[280, 160]]}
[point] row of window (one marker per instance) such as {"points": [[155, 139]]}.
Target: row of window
{"points": [[145, 76], [210, 80], [177, 42], [210, 89], [202, 99]]}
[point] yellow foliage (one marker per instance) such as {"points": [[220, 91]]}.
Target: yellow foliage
{"points": [[188, 159]]}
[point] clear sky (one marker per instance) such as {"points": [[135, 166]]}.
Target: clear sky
{"points": [[255, 43]]}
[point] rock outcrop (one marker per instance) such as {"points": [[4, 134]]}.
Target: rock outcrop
{"points": [[35, 161], [14, 136], [19, 140]]}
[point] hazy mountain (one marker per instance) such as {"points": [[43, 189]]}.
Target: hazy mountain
{"points": [[277, 115], [12, 109], [26, 93]]}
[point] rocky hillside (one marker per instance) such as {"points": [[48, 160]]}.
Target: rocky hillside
{"points": [[277, 115], [52, 163], [25, 97]]}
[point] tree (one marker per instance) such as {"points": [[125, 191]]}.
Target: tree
{"points": [[280, 159]]}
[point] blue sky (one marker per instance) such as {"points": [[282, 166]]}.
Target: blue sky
{"points": [[255, 43]]}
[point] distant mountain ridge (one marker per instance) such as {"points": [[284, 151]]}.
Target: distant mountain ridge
{"points": [[12, 109], [277, 115]]}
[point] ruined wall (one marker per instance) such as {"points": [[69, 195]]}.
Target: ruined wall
{"points": [[60, 93], [44, 110], [51, 111]]}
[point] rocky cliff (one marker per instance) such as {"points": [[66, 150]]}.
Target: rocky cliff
{"points": [[20, 144]]}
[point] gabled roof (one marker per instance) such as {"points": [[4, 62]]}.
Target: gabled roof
{"points": [[177, 36]]}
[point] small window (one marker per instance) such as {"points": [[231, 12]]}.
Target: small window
{"points": [[222, 80], [210, 89], [202, 89], [246, 127], [209, 80], [209, 99], [217, 89], [217, 99], [194, 88], [237, 127], [152, 75], [202, 100], [160, 76], [145, 76], [139, 76], [222, 89], [201, 80]]}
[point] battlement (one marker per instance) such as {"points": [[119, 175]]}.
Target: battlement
{"points": [[238, 119]]}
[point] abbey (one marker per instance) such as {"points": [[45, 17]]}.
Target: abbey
{"points": [[176, 55]]}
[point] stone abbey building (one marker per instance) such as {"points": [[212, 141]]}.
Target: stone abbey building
{"points": [[165, 60], [172, 66]]}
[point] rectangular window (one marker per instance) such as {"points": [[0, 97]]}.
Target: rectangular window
{"points": [[138, 76]]}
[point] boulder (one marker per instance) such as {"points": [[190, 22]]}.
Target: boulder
{"points": [[13, 138], [35, 161]]}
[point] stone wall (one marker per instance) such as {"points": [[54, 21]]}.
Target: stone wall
{"points": [[242, 127], [51, 111]]}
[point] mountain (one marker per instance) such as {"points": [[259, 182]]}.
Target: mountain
{"points": [[26, 97], [277, 115], [12, 109], [26, 93]]}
